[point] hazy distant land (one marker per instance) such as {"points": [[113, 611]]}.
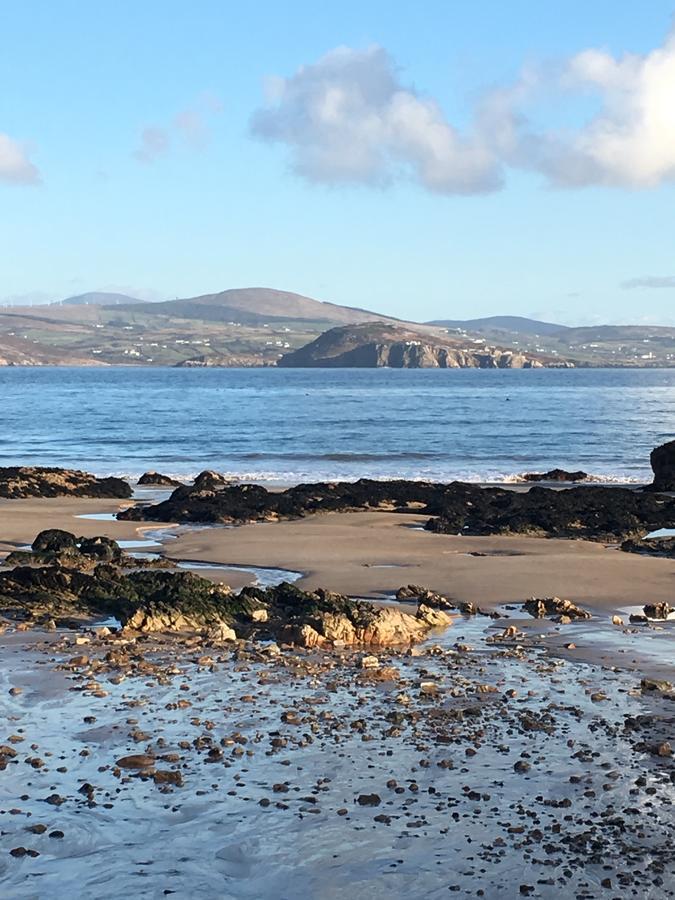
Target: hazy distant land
{"points": [[259, 326]]}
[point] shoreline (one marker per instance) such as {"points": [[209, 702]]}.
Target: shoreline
{"points": [[370, 555], [524, 751]]}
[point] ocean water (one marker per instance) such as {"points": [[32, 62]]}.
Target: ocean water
{"points": [[285, 425]]}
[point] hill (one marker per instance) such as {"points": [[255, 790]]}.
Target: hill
{"points": [[510, 324], [256, 305], [98, 298], [242, 327], [374, 344]]}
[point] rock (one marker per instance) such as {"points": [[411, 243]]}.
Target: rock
{"points": [[209, 480], [554, 606], [555, 475], [167, 776], [53, 540], [657, 610], [39, 481], [663, 749], [418, 594], [647, 684], [175, 601], [156, 478], [617, 620], [662, 460], [136, 761], [369, 662], [664, 546], [368, 800], [375, 344], [593, 512]]}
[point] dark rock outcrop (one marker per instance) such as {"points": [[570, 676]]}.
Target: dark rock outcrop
{"points": [[653, 547], [38, 481], [554, 607], [421, 595], [156, 478], [658, 610], [57, 547], [157, 601], [555, 475], [663, 465], [593, 513]]}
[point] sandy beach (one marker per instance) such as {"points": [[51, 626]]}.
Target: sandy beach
{"points": [[371, 554], [529, 761]]}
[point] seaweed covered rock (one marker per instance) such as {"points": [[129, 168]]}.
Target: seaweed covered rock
{"points": [[662, 460], [157, 479], [593, 512], [209, 500], [653, 547], [55, 546], [147, 600], [54, 540], [425, 596], [555, 475], [554, 607], [39, 481], [161, 601], [658, 610]]}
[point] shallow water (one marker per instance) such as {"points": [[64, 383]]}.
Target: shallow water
{"points": [[213, 838]]}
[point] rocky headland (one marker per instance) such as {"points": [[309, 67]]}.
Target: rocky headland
{"points": [[377, 344]]}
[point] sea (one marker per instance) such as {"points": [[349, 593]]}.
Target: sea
{"points": [[291, 425]]}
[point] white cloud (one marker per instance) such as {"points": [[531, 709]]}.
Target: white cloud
{"points": [[189, 126], [650, 281], [631, 140], [348, 118], [15, 166]]}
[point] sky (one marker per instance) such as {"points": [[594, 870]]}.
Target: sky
{"points": [[443, 159]]}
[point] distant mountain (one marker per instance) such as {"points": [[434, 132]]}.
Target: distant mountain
{"points": [[252, 306], [99, 298], [375, 344], [510, 324]]}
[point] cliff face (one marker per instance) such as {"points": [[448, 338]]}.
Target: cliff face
{"points": [[371, 346]]}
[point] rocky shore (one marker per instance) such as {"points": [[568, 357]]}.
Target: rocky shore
{"points": [[38, 481], [590, 512], [169, 735]]}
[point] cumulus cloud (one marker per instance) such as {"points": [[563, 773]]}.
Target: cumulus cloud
{"points": [[650, 281], [631, 140], [189, 127], [15, 165], [349, 118]]}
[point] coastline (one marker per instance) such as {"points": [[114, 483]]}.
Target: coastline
{"points": [[244, 769]]}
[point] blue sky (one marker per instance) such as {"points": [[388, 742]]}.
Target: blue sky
{"points": [[473, 163]]}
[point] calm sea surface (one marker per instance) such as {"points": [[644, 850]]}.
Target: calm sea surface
{"points": [[290, 425]]}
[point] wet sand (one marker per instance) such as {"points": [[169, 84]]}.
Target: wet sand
{"points": [[466, 768], [371, 554], [367, 554]]}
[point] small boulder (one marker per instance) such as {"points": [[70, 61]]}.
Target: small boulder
{"points": [[158, 480]]}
